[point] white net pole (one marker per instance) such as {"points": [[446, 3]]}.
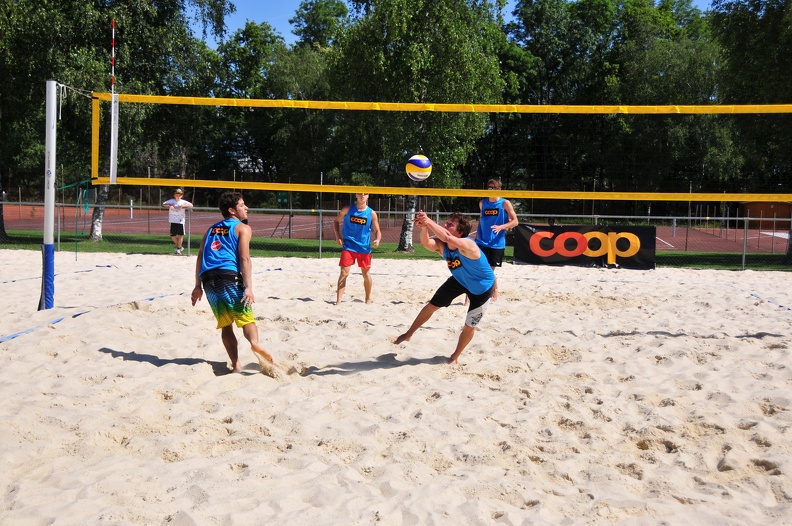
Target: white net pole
{"points": [[46, 300]]}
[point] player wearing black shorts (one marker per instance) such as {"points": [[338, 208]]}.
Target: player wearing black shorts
{"points": [[497, 217], [471, 274]]}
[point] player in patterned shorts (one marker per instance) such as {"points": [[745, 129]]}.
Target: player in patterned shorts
{"points": [[225, 271]]}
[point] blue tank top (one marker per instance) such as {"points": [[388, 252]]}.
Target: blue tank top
{"points": [[492, 214], [357, 230], [220, 247], [474, 274]]}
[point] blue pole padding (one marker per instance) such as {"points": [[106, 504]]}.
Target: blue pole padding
{"points": [[47, 299]]}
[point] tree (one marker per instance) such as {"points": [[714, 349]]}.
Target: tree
{"points": [[415, 51], [246, 60], [318, 22], [152, 36], [666, 56], [613, 52], [756, 37]]}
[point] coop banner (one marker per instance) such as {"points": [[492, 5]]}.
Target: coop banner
{"points": [[585, 245]]}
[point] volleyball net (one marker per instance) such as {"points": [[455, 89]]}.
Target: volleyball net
{"points": [[140, 180]]}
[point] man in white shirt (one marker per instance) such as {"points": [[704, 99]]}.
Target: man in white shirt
{"points": [[176, 211]]}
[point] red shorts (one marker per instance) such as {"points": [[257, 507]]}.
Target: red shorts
{"points": [[348, 257]]}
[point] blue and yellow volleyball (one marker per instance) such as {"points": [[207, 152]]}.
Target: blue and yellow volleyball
{"points": [[419, 167]]}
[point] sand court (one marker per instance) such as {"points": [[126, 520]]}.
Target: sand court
{"points": [[586, 396]]}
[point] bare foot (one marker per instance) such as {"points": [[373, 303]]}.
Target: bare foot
{"points": [[452, 361], [261, 353], [369, 301], [236, 367], [401, 338]]}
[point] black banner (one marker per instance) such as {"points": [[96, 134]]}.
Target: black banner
{"points": [[586, 245]]}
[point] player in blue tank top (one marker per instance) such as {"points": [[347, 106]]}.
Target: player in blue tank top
{"points": [[471, 274], [225, 271], [353, 227], [497, 217]]}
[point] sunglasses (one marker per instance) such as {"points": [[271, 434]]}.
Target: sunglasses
{"points": [[493, 188]]}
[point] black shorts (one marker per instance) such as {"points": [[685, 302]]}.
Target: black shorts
{"points": [[494, 255], [220, 279], [452, 289], [177, 229]]}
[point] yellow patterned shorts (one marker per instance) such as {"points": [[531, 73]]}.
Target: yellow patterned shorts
{"points": [[224, 292]]}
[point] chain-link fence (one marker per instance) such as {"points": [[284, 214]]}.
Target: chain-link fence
{"points": [[758, 243]]}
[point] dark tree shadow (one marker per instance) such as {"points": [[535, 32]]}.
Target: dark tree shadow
{"points": [[218, 368], [386, 361]]}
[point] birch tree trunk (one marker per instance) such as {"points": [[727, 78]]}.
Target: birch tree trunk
{"points": [[4, 238], [406, 236], [98, 213]]}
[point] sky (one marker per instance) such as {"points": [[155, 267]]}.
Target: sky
{"points": [[278, 12], [275, 12]]}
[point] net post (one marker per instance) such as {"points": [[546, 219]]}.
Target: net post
{"points": [[46, 299], [745, 237]]}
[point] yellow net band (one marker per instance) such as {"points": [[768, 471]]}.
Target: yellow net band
{"points": [[452, 108], [455, 192]]}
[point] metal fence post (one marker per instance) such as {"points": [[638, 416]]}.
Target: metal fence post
{"points": [[189, 228], [745, 241]]}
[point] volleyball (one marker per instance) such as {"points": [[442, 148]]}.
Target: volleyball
{"points": [[419, 168]]}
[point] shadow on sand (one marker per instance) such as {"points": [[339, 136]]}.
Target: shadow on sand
{"points": [[386, 361], [218, 368]]}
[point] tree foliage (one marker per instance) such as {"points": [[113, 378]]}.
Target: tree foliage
{"points": [[317, 23], [416, 51]]}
